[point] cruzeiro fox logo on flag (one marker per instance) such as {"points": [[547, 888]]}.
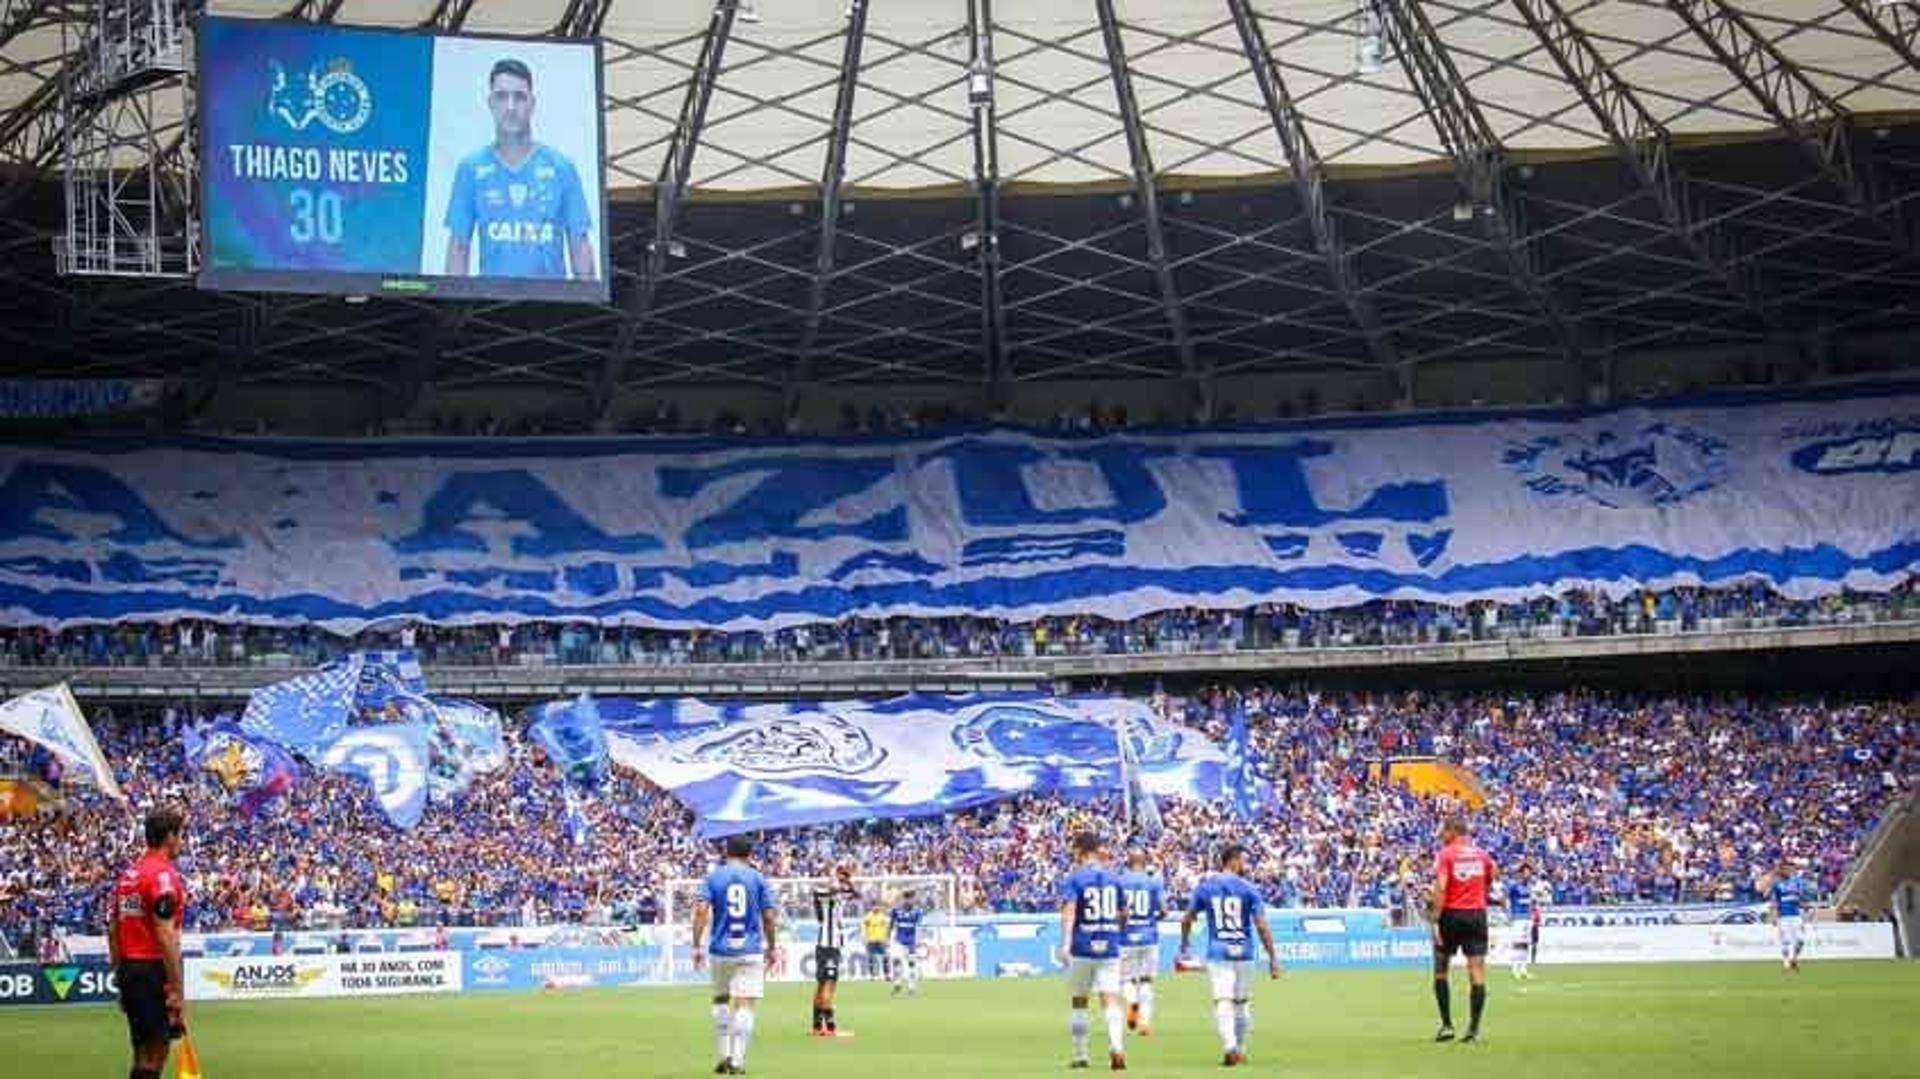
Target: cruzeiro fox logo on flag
{"points": [[1660, 464], [783, 746], [339, 99]]}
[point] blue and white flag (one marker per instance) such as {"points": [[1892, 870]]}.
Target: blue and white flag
{"points": [[571, 735], [1811, 492], [476, 729], [785, 765], [392, 758], [307, 712], [1243, 784], [385, 676], [50, 717]]}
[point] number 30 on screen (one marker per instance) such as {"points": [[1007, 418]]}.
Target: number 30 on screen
{"points": [[315, 216]]}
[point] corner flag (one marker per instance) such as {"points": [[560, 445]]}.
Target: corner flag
{"points": [[187, 1062]]}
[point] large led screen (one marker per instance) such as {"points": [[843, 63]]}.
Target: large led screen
{"points": [[360, 161]]}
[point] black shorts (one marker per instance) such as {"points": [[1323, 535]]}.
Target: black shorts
{"points": [[143, 997], [826, 965], [1463, 931]]}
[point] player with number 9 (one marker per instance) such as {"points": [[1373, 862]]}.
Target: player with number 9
{"points": [[735, 922]]}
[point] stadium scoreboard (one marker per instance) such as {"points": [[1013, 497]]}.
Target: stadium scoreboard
{"points": [[368, 161]]}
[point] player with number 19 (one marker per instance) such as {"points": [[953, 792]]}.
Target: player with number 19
{"points": [[737, 905], [1234, 912]]}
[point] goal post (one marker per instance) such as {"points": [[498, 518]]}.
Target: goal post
{"points": [[945, 951]]}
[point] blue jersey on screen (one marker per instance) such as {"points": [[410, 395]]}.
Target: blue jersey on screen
{"points": [[1146, 899], [1099, 904], [905, 924], [739, 895], [1787, 897], [523, 216], [1232, 907]]}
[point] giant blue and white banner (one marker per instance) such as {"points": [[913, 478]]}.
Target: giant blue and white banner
{"points": [[783, 765], [1810, 494]]}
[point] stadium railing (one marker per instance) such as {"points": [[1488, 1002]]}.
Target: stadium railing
{"points": [[530, 680]]}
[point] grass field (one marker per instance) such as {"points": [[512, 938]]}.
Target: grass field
{"points": [[1748, 1020]]}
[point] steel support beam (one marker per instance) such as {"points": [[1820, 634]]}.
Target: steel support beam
{"points": [[1309, 182], [1817, 123], [1479, 161], [986, 187], [449, 14], [668, 191], [1897, 25], [833, 175], [1146, 194], [1646, 147], [314, 10], [582, 19]]}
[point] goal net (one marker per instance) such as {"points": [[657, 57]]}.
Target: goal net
{"points": [[943, 949]]}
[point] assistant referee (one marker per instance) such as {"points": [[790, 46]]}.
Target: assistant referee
{"points": [[1463, 874], [143, 940]]}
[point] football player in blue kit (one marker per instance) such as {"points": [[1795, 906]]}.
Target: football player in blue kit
{"points": [[519, 201]]}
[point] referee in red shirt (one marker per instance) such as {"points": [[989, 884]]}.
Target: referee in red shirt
{"points": [[1463, 874], [143, 939]]}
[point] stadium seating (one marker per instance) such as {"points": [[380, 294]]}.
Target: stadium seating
{"points": [[1611, 797]]}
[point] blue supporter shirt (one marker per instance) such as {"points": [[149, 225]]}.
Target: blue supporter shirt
{"points": [[1786, 895], [738, 895], [1146, 899], [523, 216], [1098, 906], [1231, 907], [904, 922]]}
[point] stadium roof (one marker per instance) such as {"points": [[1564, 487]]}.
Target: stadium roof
{"points": [[811, 192]]}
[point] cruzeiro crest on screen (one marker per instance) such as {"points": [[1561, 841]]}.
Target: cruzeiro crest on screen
{"points": [[334, 96], [1655, 464], [817, 743]]}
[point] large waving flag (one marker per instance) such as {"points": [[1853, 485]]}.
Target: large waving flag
{"points": [[573, 737], [307, 712], [392, 758], [254, 769], [50, 717], [778, 766], [1242, 783], [386, 676]]}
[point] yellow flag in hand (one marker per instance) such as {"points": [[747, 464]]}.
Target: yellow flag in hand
{"points": [[187, 1062]]}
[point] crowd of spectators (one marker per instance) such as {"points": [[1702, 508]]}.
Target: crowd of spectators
{"points": [[1609, 798], [1578, 613]]}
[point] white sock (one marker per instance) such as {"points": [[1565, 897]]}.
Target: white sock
{"points": [[1223, 1022], [1146, 1004], [723, 1030], [1116, 1029], [1242, 1023], [1130, 992], [742, 1034], [1079, 1027], [913, 976]]}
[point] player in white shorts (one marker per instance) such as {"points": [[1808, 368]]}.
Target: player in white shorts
{"points": [[735, 924], [1234, 912], [1093, 914], [1146, 899]]}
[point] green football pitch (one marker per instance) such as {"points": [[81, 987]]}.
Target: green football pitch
{"points": [[1747, 1020]]}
